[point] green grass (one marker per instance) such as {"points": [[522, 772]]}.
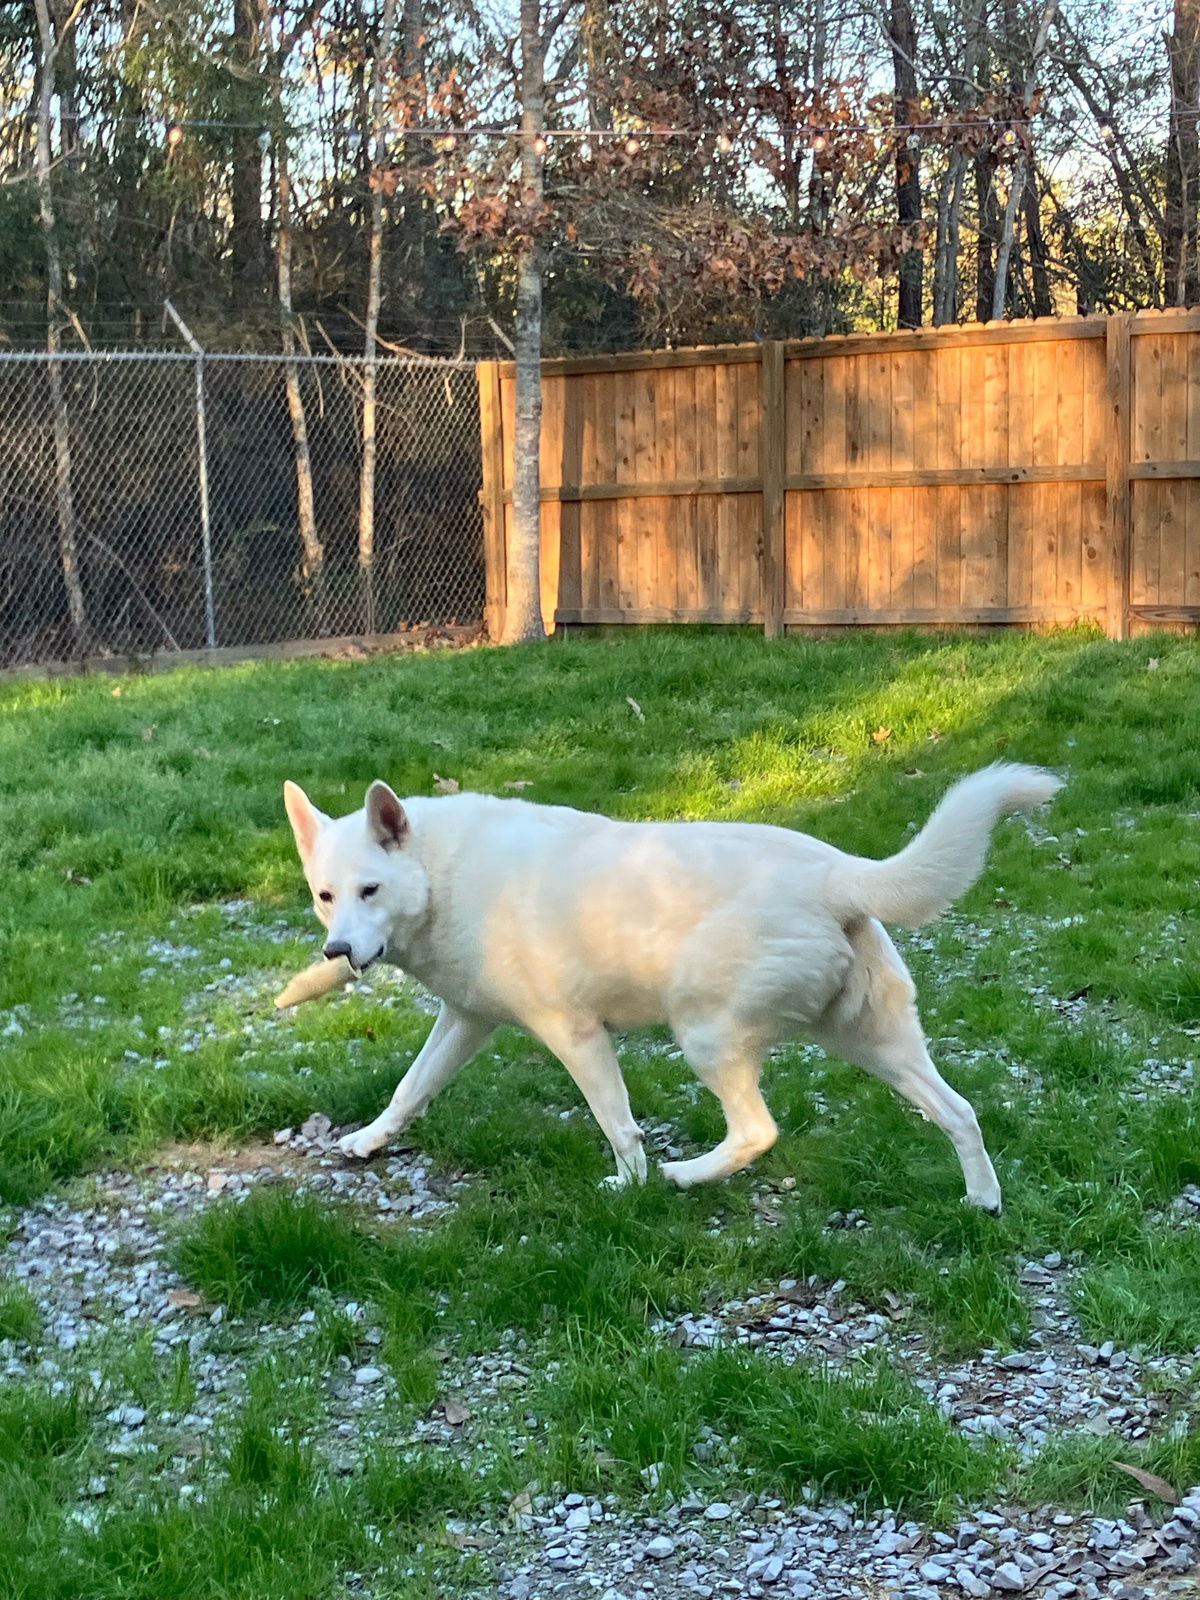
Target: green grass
{"points": [[130, 821]]}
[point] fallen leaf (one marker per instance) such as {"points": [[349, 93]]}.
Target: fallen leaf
{"points": [[116, 693], [445, 785], [465, 1541], [934, 735], [895, 1307], [184, 1299], [520, 1507], [635, 708], [1150, 1480], [881, 735], [1151, 666], [455, 1414]]}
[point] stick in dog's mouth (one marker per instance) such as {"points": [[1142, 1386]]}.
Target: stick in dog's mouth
{"points": [[317, 980]]}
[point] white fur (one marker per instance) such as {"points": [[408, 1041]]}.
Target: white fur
{"points": [[737, 935]]}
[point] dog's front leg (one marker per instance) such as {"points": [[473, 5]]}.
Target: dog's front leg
{"points": [[453, 1040], [583, 1046]]}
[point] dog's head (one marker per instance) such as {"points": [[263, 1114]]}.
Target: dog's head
{"points": [[368, 888]]}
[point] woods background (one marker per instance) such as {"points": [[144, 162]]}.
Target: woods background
{"points": [[242, 158]]}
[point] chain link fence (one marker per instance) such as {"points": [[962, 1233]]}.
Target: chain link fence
{"points": [[169, 502]]}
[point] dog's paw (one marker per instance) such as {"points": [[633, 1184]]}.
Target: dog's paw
{"points": [[614, 1181], [989, 1202], [679, 1173], [360, 1146]]}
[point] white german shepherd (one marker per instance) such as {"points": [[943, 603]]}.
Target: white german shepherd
{"points": [[737, 935]]}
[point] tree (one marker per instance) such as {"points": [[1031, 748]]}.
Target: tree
{"points": [[523, 606], [53, 36], [1181, 252], [366, 496], [902, 35]]}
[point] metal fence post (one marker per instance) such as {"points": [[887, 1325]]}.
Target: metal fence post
{"points": [[210, 608]]}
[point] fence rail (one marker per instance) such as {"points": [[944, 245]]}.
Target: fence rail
{"points": [[1008, 473], [155, 502]]}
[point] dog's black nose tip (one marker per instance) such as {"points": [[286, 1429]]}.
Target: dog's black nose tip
{"points": [[336, 948]]}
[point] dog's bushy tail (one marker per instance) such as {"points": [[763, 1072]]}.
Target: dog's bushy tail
{"points": [[948, 854]]}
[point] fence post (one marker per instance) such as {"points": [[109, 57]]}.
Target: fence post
{"points": [[210, 608], [772, 445], [1116, 452], [491, 427]]}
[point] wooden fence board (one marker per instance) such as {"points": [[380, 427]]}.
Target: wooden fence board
{"points": [[1004, 474]]}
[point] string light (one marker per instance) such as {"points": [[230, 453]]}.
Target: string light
{"points": [[1106, 133], [449, 139]]}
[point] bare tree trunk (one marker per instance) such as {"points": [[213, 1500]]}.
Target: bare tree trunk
{"points": [[50, 39], [247, 254], [1021, 170], [1039, 265], [312, 565], [523, 610], [366, 483], [902, 35], [945, 267], [1181, 257]]}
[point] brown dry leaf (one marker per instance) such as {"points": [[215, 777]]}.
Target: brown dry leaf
{"points": [[894, 1306], [116, 693], [184, 1299], [455, 1414], [1151, 1481], [635, 708], [445, 785], [881, 735], [465, 1541]]}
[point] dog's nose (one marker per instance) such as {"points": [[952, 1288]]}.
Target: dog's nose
{"points": [[336, 948]]}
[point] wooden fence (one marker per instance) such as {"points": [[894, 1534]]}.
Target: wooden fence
{"points": [[1004, 473]]}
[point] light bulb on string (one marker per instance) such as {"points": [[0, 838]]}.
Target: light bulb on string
{"points": [[819, 143], [913, 141], [724, 143], [632, 146], [174, 135], [448, 143], [1106, 133], [540, 145], [1009, 137]]}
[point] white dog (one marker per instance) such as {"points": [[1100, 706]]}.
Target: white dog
{"points": [[737, 935]]}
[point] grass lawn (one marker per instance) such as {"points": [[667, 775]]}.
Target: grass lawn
{"points": [[154, 903]]}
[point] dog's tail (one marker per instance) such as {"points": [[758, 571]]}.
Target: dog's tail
{"points": [[948, 854]]}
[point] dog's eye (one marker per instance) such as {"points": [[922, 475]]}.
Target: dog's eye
{"points": [[325, 897], [369, 889]]}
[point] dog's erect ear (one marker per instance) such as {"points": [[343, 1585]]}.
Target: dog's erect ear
{"points": [[304, 817], [386, 818]]}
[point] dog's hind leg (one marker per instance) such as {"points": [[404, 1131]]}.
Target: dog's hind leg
{"points": [[883, 1034], [450, 1044], [727, 1062], [585, 1049]]}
